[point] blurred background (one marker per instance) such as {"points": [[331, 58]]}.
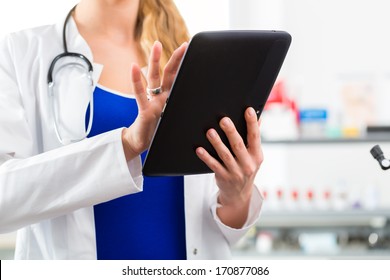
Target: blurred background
{"points": [[325, 195]]}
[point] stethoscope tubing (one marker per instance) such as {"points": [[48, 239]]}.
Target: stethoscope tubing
{"points": [[51, 84]]}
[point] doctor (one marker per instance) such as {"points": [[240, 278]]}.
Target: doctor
{"points": [[76, 115]]}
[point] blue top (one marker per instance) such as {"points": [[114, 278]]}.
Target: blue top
{"points": [[145, 225]]}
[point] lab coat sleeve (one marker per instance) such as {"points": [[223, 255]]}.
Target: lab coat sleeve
{"points": [[36, 185], [234, 235]]}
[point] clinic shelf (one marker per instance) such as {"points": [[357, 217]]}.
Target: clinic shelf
{"points": [[372, 138], [352, 254], [347, 234], [349, 218]]}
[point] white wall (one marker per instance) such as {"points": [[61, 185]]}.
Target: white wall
{"points": [[334, 40], [20, 14], [256, 14], [335, 43], [203, 15]]}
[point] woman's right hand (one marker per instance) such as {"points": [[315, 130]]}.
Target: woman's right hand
{"points": [[138, 136]]}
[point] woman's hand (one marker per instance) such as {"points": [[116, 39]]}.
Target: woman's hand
{"points": [[235, 176], [137, 137]]}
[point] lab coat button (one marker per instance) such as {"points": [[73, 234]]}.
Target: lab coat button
{"points": [[195, 251]]}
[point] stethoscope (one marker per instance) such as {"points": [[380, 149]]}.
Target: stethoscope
{"points": [[83, 60]]}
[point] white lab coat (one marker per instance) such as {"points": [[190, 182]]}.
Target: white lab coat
{"points": [[47, 191]]}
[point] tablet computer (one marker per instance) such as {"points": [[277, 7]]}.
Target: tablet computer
{"points": [[221, 74]]}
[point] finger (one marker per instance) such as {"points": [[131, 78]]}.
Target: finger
{"points": [[223, 152], [253, 131], [211, 162], [138, 86], [235, 140], [153, 75], [172, 66]]}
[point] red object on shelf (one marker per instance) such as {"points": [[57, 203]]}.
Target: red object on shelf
{"points": [[278, 95], [310, 195], [265, 193], [295, 195], [279, 194]]}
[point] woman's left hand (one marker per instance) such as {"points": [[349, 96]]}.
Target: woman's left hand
{"points": [[138, 136], [235, 175]]}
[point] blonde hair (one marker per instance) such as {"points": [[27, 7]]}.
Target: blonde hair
{"points": [[160, 20]]}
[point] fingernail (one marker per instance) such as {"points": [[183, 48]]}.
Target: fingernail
{"points": [[199, 151], [251, 112], [212, 133], [226, 122]]}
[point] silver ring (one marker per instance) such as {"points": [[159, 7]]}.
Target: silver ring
{"points": [[156, 90]]}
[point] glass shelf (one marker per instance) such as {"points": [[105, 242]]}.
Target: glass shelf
{"points": [[375, 137], [348, 218], [349, 254]]}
